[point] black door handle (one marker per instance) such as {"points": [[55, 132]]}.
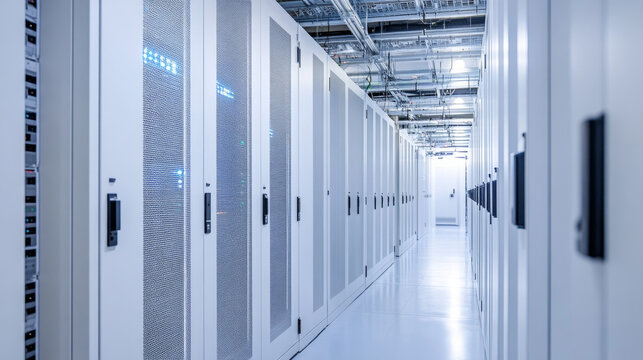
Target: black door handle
{"points": [[388, 200], [591, 227], [382, 201], [208, 212], [349, 204], [375, 202], [298, 208], [265, 209], [393, 200], [357, 198], [113, 219]]}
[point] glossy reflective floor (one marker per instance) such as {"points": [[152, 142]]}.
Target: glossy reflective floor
{"points": [[422, 307]]}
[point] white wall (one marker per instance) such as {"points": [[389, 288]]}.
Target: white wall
{"points": [[449, 175]]}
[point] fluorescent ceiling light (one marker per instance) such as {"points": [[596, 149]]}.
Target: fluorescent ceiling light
{"points": [[458, 66]]}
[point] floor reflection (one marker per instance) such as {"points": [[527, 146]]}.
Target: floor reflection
{"points": [[422, 307]]}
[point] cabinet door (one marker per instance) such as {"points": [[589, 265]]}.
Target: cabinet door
{"points": [[279, 157], [232, 291], [355, 246], [313, 96], [338, 190], [146, 163], [378, 175], [370, 178]]}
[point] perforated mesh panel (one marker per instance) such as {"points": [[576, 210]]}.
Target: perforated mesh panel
{"points": [[369, 187], [166, 179], [318, 183], [378, 188], [392, 176], [280, 117], [385, 187], [356, 177], [233, 201], [338, 200]]}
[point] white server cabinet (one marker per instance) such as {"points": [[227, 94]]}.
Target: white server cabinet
{"points": [[379, 202], [127, 249], [337, 189], [403, 217], [355, 171], [377, 189], [393, 188], [151, 180], [406, 228], [12, 144], [384, 195], [313, 184], [394, 195], [370, 202], [279, 170], [232, 282], [344, 101]]}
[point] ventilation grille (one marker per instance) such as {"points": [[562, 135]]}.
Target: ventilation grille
{"points": [[166, 179], [233, 205], [318, 183], [280, 249], [337, 185]]}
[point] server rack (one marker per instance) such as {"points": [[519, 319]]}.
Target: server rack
{"points": [[32, 179]]}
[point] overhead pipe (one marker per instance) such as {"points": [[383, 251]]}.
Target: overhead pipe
{"points": [[453, 14], [419, 56], [409, 35]]}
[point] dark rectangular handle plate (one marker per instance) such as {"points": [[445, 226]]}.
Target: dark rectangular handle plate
{"points": [[375, 202], [349, 205], [298, 208], [113, 219], [382, 201], [591, 227], [357, 204], [207, 213], [265, 209], [519, 191], [388, 200], [393, 200]]}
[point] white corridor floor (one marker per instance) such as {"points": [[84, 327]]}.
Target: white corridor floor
{"points": [[422, 307]]}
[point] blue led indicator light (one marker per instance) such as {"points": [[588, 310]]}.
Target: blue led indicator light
{"points": [[224, 91], [159, 61]]}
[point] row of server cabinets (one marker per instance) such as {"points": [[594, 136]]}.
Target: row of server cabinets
{"points": [[482, 175], [408, 188], [214, 186]]}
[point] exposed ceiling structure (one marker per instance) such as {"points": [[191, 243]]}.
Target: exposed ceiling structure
{"points": [[419, 59]]}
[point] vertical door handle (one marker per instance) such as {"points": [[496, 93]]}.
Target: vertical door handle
{"points": [[349, 204], [113, 219], [375, 202], [388, 200], [357, 204], [298, 208], [591, 227], [382, 200], [393, 200], [208, 212], [265, 209]]}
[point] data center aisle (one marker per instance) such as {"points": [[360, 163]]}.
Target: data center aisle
{"points": [[422, 307]]}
